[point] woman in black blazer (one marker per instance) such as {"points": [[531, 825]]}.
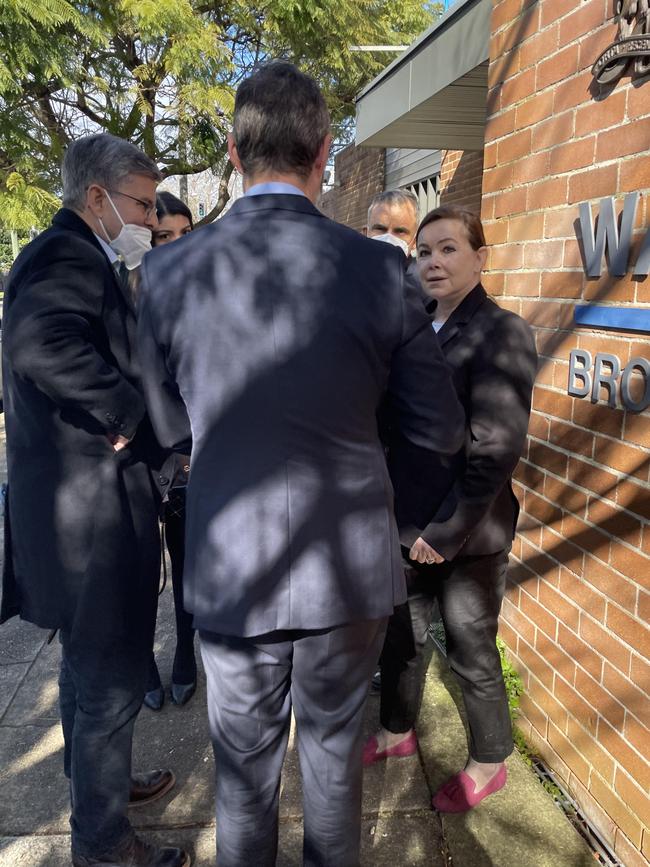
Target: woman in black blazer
{"points": [[457, 516], [175, 221]]}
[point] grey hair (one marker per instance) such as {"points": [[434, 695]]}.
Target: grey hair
{"points": [[102, 159], [396, 197]]}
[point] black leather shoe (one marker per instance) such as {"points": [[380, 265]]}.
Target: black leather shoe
{"points": [[155, 698], [149, 786], [135, 853], [181, 693]]}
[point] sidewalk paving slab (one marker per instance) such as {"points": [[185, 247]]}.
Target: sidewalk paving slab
{"points": [[518, 827]]}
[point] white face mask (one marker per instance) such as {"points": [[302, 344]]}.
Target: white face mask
{"points": [[132, 242], [391, 239]]}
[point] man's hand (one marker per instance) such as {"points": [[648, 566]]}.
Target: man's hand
{"points": [[422, 552], [117, 441]]}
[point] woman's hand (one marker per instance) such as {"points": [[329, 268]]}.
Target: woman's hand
{"points": [[422, 552]]}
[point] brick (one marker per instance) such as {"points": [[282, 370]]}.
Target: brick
{"points": [[637, 428], [540, 46], [628, 758], [610, 583], [563, 550], [601, 288], [585, 742], [536, 665], [529, 475], [612, 145], [547, 193], [504, 12], [593, 811], [520, 29], [569, 94], [600, 343], [592, 46], [636, 703], [604, 643], [594, 183], [539, 615], [505, 257], [602, 702], [510, 202], [633, 497], [557, 67], [565, 611], [523, 283], [586, 535], [547, 702], [622, 457], [566, 496], [572, 155], [518, 621], [533, 713], [560, 223], [551, 651], [637, 103], [543, 254], [592, 477], [576, 706], [568, 753], [627, 854], [547, 458], [513, 147], [583, 22], [573, 256], [583, 595], [518, 87], [634, 174], [631, 563], [549, 133], [633, 795], [600, 417], [629, 629], [615, 808], [534, 110], [551, 11], [614, 520], [637, 734], [600, 115], [499, 125], [561, 284]]}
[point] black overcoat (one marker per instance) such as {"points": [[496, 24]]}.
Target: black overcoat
{"points": [[82, 544], [465, 504]]}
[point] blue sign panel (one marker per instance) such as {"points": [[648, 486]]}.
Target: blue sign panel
{"points": [[616, 318]]}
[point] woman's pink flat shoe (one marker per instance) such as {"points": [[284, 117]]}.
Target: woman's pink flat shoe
{"points": [[372, 754], [458, 794]]}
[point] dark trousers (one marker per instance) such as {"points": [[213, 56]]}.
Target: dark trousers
{"points": [[469, 592], [253, 683], [184, 670], [100, 696]]}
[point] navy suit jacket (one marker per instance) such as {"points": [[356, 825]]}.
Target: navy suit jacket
{"points": [[270, 338]]}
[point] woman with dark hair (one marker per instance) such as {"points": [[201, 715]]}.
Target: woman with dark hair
{"points": [[458, 516], [174, 221]]}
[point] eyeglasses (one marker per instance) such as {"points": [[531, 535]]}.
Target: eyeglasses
{"points": [[149, 209]]}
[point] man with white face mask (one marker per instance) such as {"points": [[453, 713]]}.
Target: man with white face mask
{"points": [[82, 545]]}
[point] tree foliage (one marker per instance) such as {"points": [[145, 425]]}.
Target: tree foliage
{"points": [[162, 73]]}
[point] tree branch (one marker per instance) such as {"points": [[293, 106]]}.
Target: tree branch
{"points": [[224, 196]]}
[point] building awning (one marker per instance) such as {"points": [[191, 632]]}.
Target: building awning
{"points": [[434, 94]]}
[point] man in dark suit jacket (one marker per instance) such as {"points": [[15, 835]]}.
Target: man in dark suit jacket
{"points": [[82, 552], [281, 331]]}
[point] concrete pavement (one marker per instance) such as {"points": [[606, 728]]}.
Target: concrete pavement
{"points": [[518, 827]]}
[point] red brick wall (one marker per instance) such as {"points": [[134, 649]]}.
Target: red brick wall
{"points": [[460, 179], [575, 618], [358, 177]]}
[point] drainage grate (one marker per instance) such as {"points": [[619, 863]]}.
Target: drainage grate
{"points": [[603, 854]]}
